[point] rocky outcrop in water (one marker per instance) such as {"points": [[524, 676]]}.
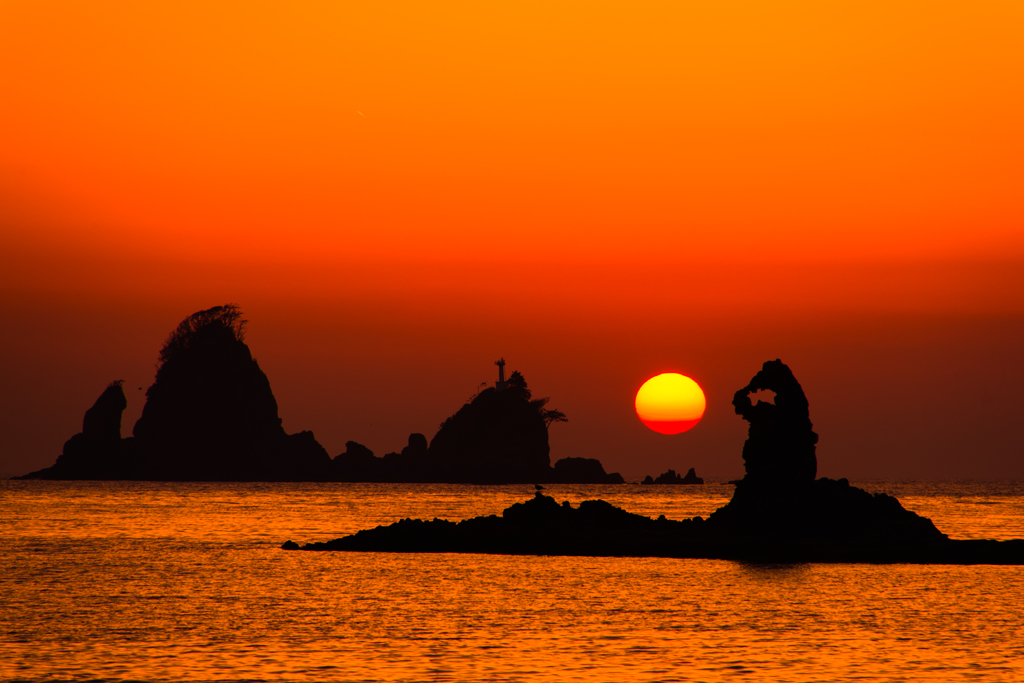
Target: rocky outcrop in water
{"points": [[500, 437], [778, 513], [582, 471], [412, 459], [671, 477], [98, 451], [539, 526], [356, 463], [542, 526], [359, 464], [780, 500], [210, 416], [780, 447]]}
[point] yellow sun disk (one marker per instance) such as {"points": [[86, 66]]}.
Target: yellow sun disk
{"points": [[670, 398]]}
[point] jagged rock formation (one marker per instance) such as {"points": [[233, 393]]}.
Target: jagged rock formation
{"points": [[671, 477], [358, 463], [209, 416], [103, 420], [779, 512], [779, 498], [582, 471], [780, 448], [541, 526], [212, 416], [98, 451], [411, 461], [500, 437]]}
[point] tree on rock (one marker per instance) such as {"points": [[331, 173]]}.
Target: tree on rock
{"points": [[501, 436], [211, 413]]}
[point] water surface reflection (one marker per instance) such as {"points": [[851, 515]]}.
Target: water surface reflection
{"points": [[185, 582]]}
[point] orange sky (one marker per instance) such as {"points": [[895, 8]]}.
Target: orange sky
{"points": [[413, 188]]}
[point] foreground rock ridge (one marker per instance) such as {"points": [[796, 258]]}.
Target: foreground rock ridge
{"points": [[211, 415], [778, 513]]}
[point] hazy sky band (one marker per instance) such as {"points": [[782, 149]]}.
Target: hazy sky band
{"points": [[397, 195]]}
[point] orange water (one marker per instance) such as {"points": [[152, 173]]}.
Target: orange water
{"points": [[147, 581]]}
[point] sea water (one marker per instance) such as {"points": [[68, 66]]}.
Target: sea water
{"points": [[186, 581]]}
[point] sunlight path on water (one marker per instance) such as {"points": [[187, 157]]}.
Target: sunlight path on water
{"points": [[185, 582]]}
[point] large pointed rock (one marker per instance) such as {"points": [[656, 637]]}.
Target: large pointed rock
{"points": [[98, 451], [780, 501], [780, 447], [211, 415]]}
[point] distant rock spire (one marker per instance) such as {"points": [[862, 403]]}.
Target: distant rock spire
{"points": [[780, 447]]}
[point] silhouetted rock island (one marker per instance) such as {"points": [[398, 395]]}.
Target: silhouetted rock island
{"points": [[500, 436], [778, 513], [211, 416], [98, 449], [671, 477]]}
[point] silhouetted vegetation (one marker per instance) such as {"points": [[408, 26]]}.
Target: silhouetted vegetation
{"points": [[211, 415], [204, 327], [499, 436]]}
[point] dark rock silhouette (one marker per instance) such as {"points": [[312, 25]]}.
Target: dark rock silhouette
{"points": [[357, 463], [103, 420], [210, 415], [671, 477], [98, 451], [780, 448], [411, 462], [500, 437], [540, 526], [779, 512], [779, 498], [582, 471]]}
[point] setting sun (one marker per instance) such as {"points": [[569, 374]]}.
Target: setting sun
{"points": [[670, 403]]}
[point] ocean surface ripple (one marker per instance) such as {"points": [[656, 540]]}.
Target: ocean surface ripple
{"points": [[185, 581]]}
